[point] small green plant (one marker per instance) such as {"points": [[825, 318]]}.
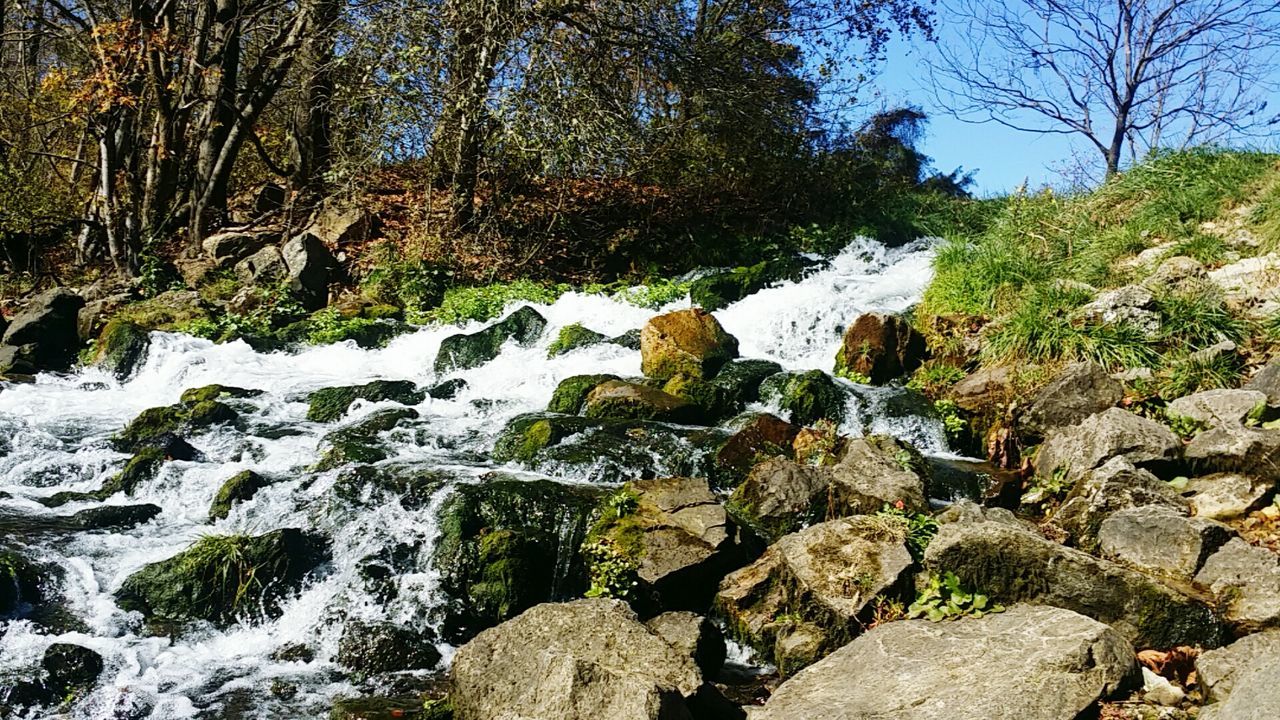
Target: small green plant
{"points": [[905, 460], [934, 378], [654, 294], [953, 422], [486, 302], [920, 527], [944, 598], [1183, 426], [1044, 489], [623, 503], [412, 284], [853, 376], [613, 574]]}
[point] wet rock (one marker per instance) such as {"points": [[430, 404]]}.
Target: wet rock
{"points": [[1254, 696], [1160, 540], [238, 488], [1115, 486], [1250, 451], [762, 436], [69, 671], [464, 351], [1130, 305], [47, 331], [806, 397], [720, 290], [329, 404], [583, 660], [1246, 581], [676, 535], [170, 310], [221, 577], [230, 247], [629, 339], [811, 590], [712, 401], [622, 400], [572, 337], [742, 378], [293, 652], [360, 443], [121, 348], [1079, 391], [20, 585], [375, 648], [1037, 663], [693, 635], [1218, 670], [216, 392], [571, 393], [1220, 408], [264, 267], [158, 426], [507, 545], [1267, 381], [447, 390], [881, 347], [1225, 496], [383, 708], [310, 268], [1011, 564], [114, 516], [690, 342], [1071, 452]]}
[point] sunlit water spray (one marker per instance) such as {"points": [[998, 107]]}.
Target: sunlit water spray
{"points": [[53, 437]]}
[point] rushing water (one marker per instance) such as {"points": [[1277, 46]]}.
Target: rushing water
{"points": [[53, 437]]}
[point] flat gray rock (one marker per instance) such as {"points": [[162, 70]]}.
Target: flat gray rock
{"points": [[1216, 408], [1073, 451], [1160, 540], [1246, 581], [1217, 670]]}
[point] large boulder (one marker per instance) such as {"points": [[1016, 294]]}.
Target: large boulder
{"points": [[1218, 670], [1246, 581], [47, 330], [339, 225], [583, 660], [1251, 451], [1071, 452], [330, 404], [1100, 493], [1220, 408], [761, 436], [1249, 285], [310, 268], [121, 348], [813, 590], [374, 648], [571, 393], [1080, 390], [806, 397], [1027, 663], [781, 496], [674, 533], [880, 347], [264, 268], [69, 671], [622, 400], [1160, 540], [689, 342], [572, 337], [984, 390], [1012, 564], [693, 635], [464, 351], [1225, 496], [220, 578], [230, 247], [507, 545], [1255, 694]]}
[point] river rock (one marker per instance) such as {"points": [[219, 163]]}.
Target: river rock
{"points": [[464, 351], [238, 488], [1255, 695], [114, 516], [1115, 486], [691, 342], [677, 536], [712, 401], [1218, 670], [1252, 451], [447, 390], [571, 393], [984, 390], [1035, 663], [121, 348], [622, 400], [1267, 381], [311, 267], [742, 378], [762, 436], [158, 426], [1071, 452], [1011, 564], [329, 404], [584, 660], [204, 582], [1225, 496], [806, 397], [881, 347], [230, 247], [69, 670], [572, 337], [507, 545], [1131, 305], [375, 648], [1219, 408], [693, 635], [1082, 389], [1246, 581], [46, 330], [811, 590], [21, 585], [1160, 540]]}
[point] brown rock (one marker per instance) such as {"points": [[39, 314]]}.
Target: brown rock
{"points": [[881, 347], [685, 341]]}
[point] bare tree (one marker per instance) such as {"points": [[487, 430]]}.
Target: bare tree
{"points": [[1130, 76]]}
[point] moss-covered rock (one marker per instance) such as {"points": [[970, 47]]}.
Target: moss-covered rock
{"points": [[375, 648], [629, 339], [221, 577], [712, 401], [191, 396], [154, 424], [411, 484], [463, 351], [143, 466], [69, 671], [20, 585], [572, 337], [807, 397], [622, 400], [880, 347], [358, 443], [237, 489], [121, 347], [690, 342], [722, 289], [571, 393], [167, 311], [387, 708], [506, 545], [741, 379], [329, 404]]}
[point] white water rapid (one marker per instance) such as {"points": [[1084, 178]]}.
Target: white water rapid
{"points": [[54, 432]]}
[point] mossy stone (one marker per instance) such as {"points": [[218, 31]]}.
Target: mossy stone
{"points": [[121, 347], [329, 404], [375, 648], [572, 337], [191, 396], [741, 379], [712, 401], [464, 351], [571, 393], [621, 400], [807, 397], [143, 466], [237, 489], [20, 585]]}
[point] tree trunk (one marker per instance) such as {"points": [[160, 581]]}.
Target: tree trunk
{"points": [[311, 142], [209, 191]]}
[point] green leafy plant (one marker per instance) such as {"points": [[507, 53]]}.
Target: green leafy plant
{"points": [[1183, 426], [623, 503], [1044, 489], [920, 527], [953, 422], [944, 598], [934, 378], [613, 574]]}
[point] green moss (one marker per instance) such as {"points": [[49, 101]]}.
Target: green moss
{"points": [[192, 396], [238, 488], [151, 423], [329, 404], [461, 304], [712, 400], [572, 337], [808, 397], [572, 392], [141, 467], [166, 311], [120, 347]]}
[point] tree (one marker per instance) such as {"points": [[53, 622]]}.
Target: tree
{"points": [[1127, 75]]}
